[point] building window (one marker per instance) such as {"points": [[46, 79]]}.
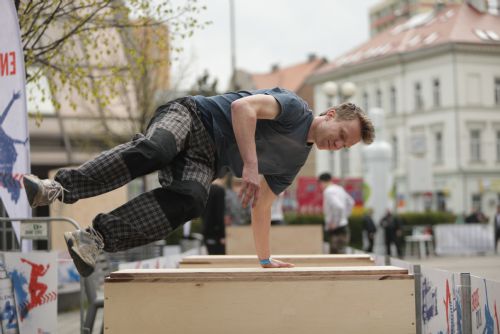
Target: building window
{"points": [[497, 91], [438, 147], [436, 92], [419, 102], [393, 100], [395, 152], [365, 101], [498, 147], [379, 98], [475, 145]]}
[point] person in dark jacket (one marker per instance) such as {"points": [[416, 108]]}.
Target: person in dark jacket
{"points": [[370, 229], [214, 231], [393, 232]]}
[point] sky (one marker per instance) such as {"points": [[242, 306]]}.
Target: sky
{"points": [[268, 32]]}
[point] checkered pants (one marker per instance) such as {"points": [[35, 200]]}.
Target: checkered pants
{"points": [[177, 145]]}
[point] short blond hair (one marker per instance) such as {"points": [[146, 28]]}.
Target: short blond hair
{"points": [[349, 111]]}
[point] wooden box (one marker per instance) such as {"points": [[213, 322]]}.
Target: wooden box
{"points": [[346, 300]]}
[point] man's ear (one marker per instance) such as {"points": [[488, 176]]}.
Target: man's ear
{"points": [[331, 112]]}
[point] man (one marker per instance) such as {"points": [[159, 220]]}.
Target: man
{"points": [[393, 229], [497, 227], [190, 141], [337, 207], [370, 229], [213, 218]]}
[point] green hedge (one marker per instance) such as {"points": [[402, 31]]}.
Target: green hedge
{"points": [[410, 219]]}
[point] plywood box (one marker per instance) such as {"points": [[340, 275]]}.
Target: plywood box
{"points": [[347, 300], [286, 239], [249, 261]]}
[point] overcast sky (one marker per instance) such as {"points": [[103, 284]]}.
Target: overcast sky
{"points": [[270, 32]]}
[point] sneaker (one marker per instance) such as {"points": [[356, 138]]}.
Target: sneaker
{"points": [[41, 192], [84, 247]]}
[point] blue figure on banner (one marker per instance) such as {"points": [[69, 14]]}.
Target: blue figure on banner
{"points": [[489, 327], [9, 314], [8, 155]]}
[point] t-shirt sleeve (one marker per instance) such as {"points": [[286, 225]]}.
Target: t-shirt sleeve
{"points": [[292, 107], [278, 183]]}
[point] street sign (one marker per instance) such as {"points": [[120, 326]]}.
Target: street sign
{"points": [[34, 230]]}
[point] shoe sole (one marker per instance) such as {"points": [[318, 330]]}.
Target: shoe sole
{"points": [[31, 188], [83, 268]]}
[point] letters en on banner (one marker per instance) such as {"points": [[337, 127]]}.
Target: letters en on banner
{"points": [[14, 140]]}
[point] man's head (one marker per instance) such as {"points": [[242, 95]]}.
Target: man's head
{"points": [[324, 180], [343, 126]]}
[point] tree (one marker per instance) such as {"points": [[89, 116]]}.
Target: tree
{"points": [[71, 42]]}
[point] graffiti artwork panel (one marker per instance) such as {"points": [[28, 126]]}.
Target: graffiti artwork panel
{"points": [[29, 280], [441, 302], [485, 306]]}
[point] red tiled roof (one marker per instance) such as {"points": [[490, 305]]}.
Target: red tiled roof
{"points": [[454, 23], [291, 78]]}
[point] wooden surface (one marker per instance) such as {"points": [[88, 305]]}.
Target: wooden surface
{"points": [[245, 261], [230, 274], [286, 239], [268, 301]]}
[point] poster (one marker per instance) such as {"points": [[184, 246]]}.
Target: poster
{"points": [[485, 306], [33, 287], [441, 302], [14, 143]]}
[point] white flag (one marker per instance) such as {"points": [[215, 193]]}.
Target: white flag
{"points": [[14, 144]]}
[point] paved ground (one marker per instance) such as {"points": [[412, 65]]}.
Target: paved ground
{"points": [[484, 266]]}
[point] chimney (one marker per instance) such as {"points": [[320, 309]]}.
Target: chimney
{"points": [[479, 5], [275, 67], [311, 57]]}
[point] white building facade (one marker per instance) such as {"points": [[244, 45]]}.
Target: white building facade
{"points": [[438, 81]]}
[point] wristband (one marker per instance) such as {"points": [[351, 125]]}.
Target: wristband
{"points": [[265, 261]]}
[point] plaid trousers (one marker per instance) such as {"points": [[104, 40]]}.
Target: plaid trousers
{"points": [[177, 145]]}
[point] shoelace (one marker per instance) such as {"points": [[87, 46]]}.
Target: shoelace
{"points": [[97, 237], [54, 190]]}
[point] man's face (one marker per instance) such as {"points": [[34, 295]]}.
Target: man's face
{"points": [[334, 135]]}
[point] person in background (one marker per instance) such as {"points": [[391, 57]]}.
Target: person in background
{"points": [[370, 229], [393, 232], [214, 231], [476, 216], [337, 207], [496, 221], [277, 217]]}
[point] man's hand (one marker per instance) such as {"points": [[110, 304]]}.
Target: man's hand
{"points": [[249, 192], [278, 264]]}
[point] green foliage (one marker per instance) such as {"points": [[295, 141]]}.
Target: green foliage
{"points": [[74, 43], [410, 219]]}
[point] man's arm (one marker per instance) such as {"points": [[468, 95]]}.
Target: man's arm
{"points": [[244, 113], [261, 224]]}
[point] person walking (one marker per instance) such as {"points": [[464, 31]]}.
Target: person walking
{"points": [[263, 136], [370, 229], [337, 207], [393, 232], [497, 227]]}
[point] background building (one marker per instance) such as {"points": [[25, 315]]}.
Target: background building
{"points": [[437, 77]]}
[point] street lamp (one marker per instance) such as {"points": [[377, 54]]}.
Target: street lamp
{"points": [[331, 90]]}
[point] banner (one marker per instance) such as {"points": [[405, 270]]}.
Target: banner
{"points": [[485, 305], [31, 282], [14, 145]]}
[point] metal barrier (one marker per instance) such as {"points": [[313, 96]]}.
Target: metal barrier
{"points": [[48, 220]]}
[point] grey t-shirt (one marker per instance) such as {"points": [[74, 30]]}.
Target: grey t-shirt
{"points": [[281, 143]]}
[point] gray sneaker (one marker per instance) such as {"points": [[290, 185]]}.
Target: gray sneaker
{"points": [[41, 192], [84, 247]]}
